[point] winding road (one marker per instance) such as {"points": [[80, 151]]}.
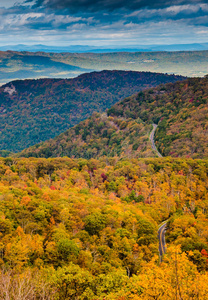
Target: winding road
{"points": [[161, 237], [151, 137], [162, 228]]}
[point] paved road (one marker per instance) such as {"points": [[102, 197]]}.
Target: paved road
{"points": [[152, 133], [161, 237], [162, 229]]}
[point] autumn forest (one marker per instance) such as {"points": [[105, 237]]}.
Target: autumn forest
{"points": [[82, 229], [81, 204]]}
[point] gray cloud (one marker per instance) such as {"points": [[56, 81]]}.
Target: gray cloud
{"points": [[105, 22], [109, 5]]}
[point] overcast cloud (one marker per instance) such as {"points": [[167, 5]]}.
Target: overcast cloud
{"points": [[109, 5], [105, 23]]}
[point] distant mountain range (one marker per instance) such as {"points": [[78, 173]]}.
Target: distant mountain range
{"points": [[102, 49], [32, 111], [31, 65]]}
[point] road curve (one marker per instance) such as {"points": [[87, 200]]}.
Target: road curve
{"points": [[161, 237], [151, 137]]}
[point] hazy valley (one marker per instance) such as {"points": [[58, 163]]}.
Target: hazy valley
{"points": [[22, 65]]}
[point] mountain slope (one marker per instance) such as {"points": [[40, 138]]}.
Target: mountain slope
{"points": [[180, 110], [32, 111], [98, 136]]}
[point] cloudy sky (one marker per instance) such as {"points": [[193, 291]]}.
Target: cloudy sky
{"points": [[103, 22]]}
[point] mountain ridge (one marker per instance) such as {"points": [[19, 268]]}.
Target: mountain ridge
{"points": [[32, 111], [179, 109], [96, 49]]}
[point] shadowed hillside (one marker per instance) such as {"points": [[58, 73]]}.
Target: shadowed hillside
{"points": [[32, 111], [179, 109]]}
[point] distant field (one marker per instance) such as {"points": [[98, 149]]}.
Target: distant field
{"points": [[22, 65]]}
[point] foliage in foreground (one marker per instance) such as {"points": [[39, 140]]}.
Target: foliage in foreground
{"points": [[78, 229], [175, 278]]}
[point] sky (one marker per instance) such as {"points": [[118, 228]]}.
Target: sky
{"points": [[105, 23]]}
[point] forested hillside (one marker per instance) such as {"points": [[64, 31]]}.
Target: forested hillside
{"points": [[180, 110], [32, 111], [87, 229], [98, 136]]}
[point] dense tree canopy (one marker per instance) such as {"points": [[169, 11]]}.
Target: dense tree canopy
{"points": [[87, 229], [179, 109], [98, 136], [32, 111]]}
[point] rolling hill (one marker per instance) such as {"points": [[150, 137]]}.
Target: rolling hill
{"points": [[180, 110], [98, 136], [24, 65], [32, 111]]}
